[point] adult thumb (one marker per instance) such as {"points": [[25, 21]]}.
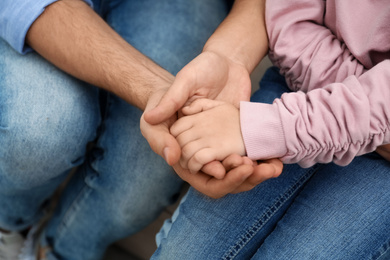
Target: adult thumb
{"points": [[161, 141], [174, 99]]}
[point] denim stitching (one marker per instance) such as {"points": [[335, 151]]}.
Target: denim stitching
{"points": [[235, 249], [68, 217]]}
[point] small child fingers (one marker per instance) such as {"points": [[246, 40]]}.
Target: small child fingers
{"points": [[277, 166], [233, 181], [185, 138], [188, 149], [236, 160], [262, 172], [248, 161], [200, 105], [181, 125], [200, 158], [215, 169]]}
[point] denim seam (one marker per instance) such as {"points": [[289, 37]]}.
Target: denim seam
{"points": [[67, 219], [50, 254], [257, 226]]}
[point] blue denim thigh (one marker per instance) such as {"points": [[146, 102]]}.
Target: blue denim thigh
{"points": [[232, 227], [364, 246], [342, 213], [124, 185], [324, 212], [170, 32], [46, 119], [122, 188]]}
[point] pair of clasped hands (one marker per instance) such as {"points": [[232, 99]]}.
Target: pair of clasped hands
{"points": [[187, 125], [194, 126]]}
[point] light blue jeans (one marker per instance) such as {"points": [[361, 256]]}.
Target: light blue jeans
{"points": [[323, 212], [47, 118]]}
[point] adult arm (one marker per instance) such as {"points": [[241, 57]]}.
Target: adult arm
{"points": [[16, 17], [74, 38], [222, 70]]}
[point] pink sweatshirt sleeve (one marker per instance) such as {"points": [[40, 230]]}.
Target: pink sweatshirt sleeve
{"points": [[307, 52], [341, 109], [334, 123]]}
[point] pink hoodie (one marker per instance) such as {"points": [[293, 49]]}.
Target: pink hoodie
{"points": [[336, 55]]}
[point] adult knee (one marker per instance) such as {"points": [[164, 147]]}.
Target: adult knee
{"points": [[46, 119], [32, 152]]}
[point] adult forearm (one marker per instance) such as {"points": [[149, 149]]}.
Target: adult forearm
{"points": [[74, 38], [242, 36]]}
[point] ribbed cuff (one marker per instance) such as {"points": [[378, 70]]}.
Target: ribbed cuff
{"points": [[262, 131]]}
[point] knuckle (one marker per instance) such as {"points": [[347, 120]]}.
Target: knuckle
{"points": [[186, 152], [197, 158]]}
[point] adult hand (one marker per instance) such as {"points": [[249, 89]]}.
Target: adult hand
{"points": [[262, 171], [243, 175], [160, 139], [163, 143], [210, 75], [384, 151], [158, 135]]}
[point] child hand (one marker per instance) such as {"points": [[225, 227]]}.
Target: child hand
{"points": [[210, 130]]}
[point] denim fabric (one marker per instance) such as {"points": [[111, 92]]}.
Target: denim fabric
{"points": [[322, 212], [47, 118]]}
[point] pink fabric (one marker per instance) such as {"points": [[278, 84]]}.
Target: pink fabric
{"points": [[335, 55]]}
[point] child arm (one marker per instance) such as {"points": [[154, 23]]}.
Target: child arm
{"points": [[345, 109], [306, 44], [334, 123]]}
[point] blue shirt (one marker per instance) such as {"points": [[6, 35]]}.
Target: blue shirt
{"points": [[16, 17]]}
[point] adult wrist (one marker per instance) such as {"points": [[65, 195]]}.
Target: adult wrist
{"points": [[137, 89], [232, 54]]}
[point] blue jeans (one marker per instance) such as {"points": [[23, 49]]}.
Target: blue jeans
{"points": [[323, 212], [47, 118]]}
